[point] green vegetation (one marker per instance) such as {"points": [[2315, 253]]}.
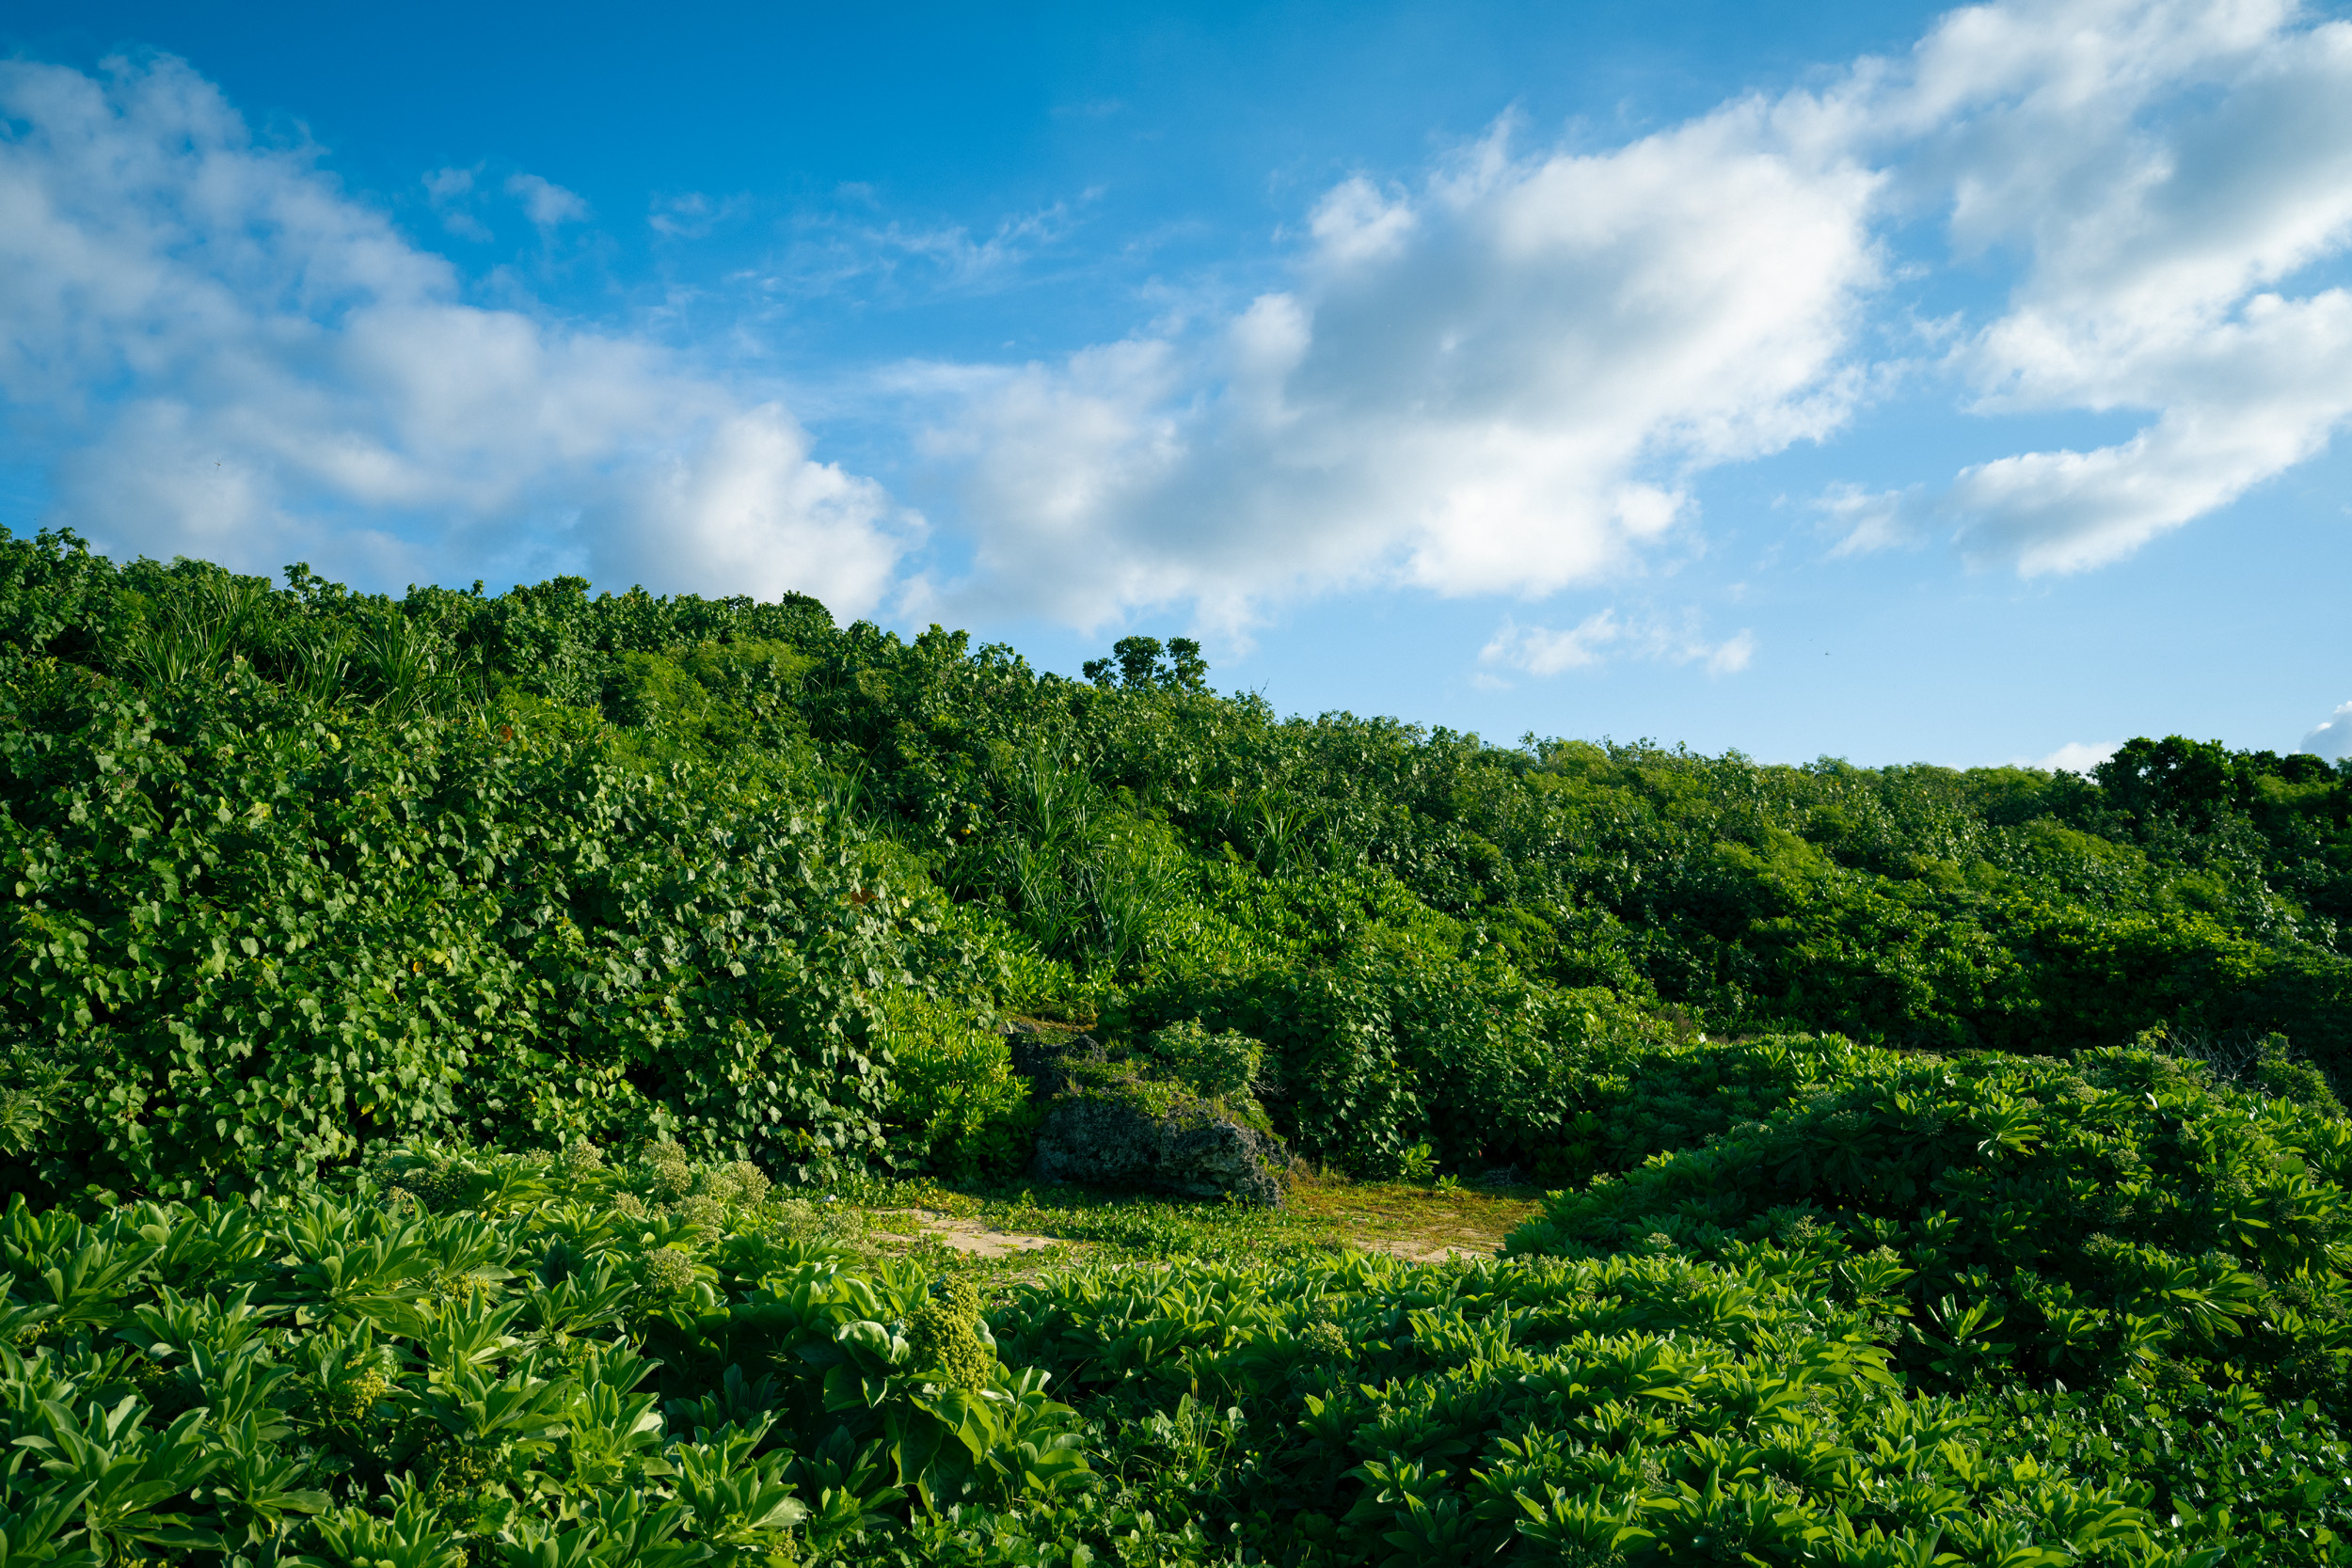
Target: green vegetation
{"points": [[461, 1052]]}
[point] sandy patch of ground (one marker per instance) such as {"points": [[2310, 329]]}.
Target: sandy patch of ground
{"points": [[1420, 1250], [1419, 1222], [972, 1237]]}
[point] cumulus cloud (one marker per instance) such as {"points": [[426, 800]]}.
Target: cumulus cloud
{"points": [[1496, 379], [2166, 174], [1502, 376], [2076, 756], [1541, 651], [2332, 738], [1503, 373], [237, 360], [753, 511]]}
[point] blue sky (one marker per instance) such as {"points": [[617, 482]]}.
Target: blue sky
{"points": [[1886, 382]]}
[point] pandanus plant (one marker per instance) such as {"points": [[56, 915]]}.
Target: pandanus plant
{"points": [[399, 664], [191, 636]]}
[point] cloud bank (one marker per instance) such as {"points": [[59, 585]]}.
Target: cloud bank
{"points": [[1502, 374], [1502, 378], [2164, 175], [236, 359], [1490, 381]]}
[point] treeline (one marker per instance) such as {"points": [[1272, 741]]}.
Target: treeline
{"points": [[294, 868]]}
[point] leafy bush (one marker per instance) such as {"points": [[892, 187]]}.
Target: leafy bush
{"points": [[264, 942], [1220, 1064], [957, 1109], [516, 1366], [2121, 1217], [1395, 1045], [1635, 1409]]}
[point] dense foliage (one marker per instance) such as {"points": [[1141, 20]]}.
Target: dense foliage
{"points": [[525, 1361], [529, 1362], [1948, 1163]]}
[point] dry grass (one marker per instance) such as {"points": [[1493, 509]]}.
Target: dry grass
{"points": [[1412, 1219], [1025, 1235]]}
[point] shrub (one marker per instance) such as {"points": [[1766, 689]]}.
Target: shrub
{"points": [[334, 1378], [958, 1109], [2121, 1217], [1220, 1064], [265, 943], [1640, 1409]]}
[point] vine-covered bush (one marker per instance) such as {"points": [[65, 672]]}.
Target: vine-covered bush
{"points": [[245, 939]]}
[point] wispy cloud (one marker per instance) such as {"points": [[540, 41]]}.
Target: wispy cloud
{"points": [[451, 192], [1605, 635], [693, 216], [840, 250], [547, 204]]}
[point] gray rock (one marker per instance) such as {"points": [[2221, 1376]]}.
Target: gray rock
{"points": [[1112, 1131], [1049, 1064]]}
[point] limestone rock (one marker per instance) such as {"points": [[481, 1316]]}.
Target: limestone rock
{"points": [[1158, 1135], [1048, 1063], [1144, 1123]]}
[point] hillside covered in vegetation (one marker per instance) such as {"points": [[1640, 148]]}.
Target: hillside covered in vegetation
{"points": [[431, 1022]]}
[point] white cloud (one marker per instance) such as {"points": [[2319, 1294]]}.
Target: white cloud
{"points": [[690, 216], [1500, 377], [448, 184], [751, 507], [1865, 521], [839, 252], [450, 191], [2332, 738], [2163, 171], [1541, 651], [238, 360], [1497, 380], [1503, 373], [2076, 756], [547, 204]]}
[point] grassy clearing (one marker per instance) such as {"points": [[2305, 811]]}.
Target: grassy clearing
{"points": [[1018, 1235]]}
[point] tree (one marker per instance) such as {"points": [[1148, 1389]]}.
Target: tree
{"points": [[1136, 662]]}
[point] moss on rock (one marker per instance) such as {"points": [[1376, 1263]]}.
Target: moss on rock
{"points": [[1160, 1136], [1112, 1120]]}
